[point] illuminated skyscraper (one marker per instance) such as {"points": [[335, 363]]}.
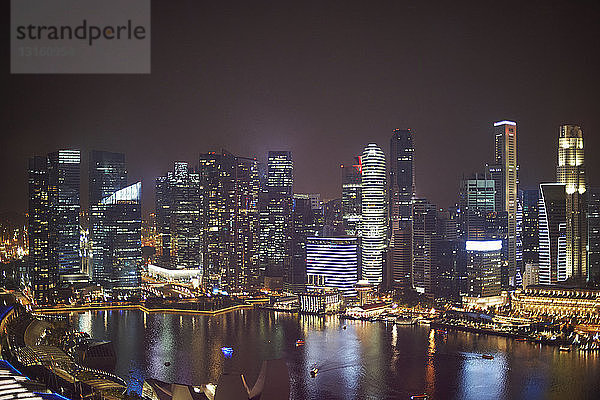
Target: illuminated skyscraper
{"points": [[352, 196], [401, 193], [484, 261], [552, 235], [425, 242], [332, 263], [64, 174], [374, 213], [570, 171], [43, 275], [530, 231], [504, 172], [276, 222], [594, 235], [477, 200], [117, 219]]}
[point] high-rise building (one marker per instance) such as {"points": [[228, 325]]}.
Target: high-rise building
{"points": [[64, 174], [308, 218], [477, 200], [530, 230], [178, 217], [107, 174], [332, 263], [484, 262], [401, 192], [505, 173], [117, 249], [594, 235], [230, 187], [570, 171], [425, 242], [352, 196], [276, 217], [373, 227], [551, 232], [334, 223], [42, 274]]}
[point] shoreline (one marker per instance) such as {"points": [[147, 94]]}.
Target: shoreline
{"points": [[98, 307]]}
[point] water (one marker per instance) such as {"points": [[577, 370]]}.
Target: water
{"points": [[365, 361]]}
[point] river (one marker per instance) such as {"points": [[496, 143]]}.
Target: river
{"points": [[364, 361]]}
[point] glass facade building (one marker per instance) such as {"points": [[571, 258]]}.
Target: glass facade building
{"points": [[551, 234], [332, 263]]}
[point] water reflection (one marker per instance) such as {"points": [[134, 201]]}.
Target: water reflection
{"points": [[364, 361]]}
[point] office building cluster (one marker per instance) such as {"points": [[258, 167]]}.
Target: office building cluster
{"points": [[240, 226]]}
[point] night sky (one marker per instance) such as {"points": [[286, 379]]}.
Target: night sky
{"points": [[323, 81]]}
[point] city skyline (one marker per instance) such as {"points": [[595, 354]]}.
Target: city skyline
{"points": [[438, 76]]}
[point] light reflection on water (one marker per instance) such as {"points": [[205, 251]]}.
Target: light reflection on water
{"points": [[364, 361]]}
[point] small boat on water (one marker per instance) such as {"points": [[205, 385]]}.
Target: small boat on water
{"points": [[419, 396], [487, 356], [564, 348], [313, 372], [299, 343], [424, 321], [521, 339], [167, 363]]}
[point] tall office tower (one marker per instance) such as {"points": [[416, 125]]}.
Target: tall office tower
{"points": [[477, 200], [571, 172], [107, 174], [42, 275], [505, 173], [352, 196], [63, 194], [178, 217], [425, 245], [117, 219], [332, 263], [334, 223], [401, 192], [594, 235], [308, 219], [484, 262], [276, 222], [530, 229], [552, 233], [373, 226], [230, 187]]}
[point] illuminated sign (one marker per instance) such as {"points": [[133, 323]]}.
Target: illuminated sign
{"points": [[484, 245], [505, 122]]}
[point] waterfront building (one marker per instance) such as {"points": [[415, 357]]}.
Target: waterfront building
{"points": [[401, 192], [551, 233], [594, 235], [178, 217], [352, 196], [483, 269], [570, 171], [332, 262], [373, 226], [324, 301], [505, 173], [117, 219], [230, 190], [276, 218], [425, 246], [175, 275], [562, 301]]}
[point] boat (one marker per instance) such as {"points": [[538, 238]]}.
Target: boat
{"points": [[167, 363], [419, 396], [487, 356], [313, 372], [344, 327], [405, 321], [424, 322], [521, 339], [564, 348], [299, 343]]}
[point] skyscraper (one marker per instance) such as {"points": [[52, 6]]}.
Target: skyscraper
{"points": [[64, 174], [374, 213], [484, 261], [107, 174], [504, 172], [117, 219], [594, 235], [401, 192], [352, 196], [332, 263], [530, 231], [570, 171], [552, 236], [178, 217], [42, 274], [477, 200], [276, 222], [425, 246]]}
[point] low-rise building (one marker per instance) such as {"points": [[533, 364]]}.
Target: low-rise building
{"points": [[557, 300]]}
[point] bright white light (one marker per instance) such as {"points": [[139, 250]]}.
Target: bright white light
{"points": [[484, 245], [505, 123]]}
